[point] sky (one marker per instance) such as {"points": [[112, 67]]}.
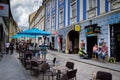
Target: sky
{"points": [[21, 9]]}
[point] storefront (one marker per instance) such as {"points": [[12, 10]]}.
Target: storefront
{"points": [[92, 33], [105, 28], [115, 41]]}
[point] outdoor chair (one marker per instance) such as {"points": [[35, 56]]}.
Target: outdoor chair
{"points": [[101, 75], [52, 62], [34, 67], [72, 74], [70, 65], [45, 69], [64, 77]]}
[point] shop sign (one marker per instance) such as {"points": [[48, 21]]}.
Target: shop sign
{"points": [[4, 10], [77, 28], [92, 30]]}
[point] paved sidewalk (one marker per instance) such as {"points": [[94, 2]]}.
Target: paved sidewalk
{"points": [[111, 66], [11, 69]]}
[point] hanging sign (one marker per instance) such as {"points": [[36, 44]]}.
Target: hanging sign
{"points": [[4, 10], [92, 30], [77, 28]]}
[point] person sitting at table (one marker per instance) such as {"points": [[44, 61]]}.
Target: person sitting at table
{"points": [[95, 51], [104, 51]]}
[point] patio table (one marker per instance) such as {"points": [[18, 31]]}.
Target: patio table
{"points": [[60, 69]]}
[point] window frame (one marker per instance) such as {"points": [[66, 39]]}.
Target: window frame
{"points": [[92, 4], [61, 17], [53, 20]]}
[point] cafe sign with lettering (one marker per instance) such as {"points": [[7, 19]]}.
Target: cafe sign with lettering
{"points": [[92, 30]]}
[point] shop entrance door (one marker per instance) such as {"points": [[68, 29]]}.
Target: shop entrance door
{"points": [[115, 41], [91, 41]]}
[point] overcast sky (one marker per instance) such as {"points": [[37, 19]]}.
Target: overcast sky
{"points": [[21, 9]]}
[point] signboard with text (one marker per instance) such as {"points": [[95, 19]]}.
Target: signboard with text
{"points": [[92, 30], [4, 10]]}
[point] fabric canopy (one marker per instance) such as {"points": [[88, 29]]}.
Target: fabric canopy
{"points": [[35, 31]]}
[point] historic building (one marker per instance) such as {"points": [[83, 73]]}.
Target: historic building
{"points": [[78, 22], [8, 26], [37, 20]]}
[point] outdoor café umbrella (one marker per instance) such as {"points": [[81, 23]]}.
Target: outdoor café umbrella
{"points": [[23, 35], [35, 31]]}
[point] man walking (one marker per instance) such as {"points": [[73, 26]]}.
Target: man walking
{"points": [[11, 47], [7, 44]]}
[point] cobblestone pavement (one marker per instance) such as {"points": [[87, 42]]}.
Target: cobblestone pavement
{"points": [[12, 69], [87, 67]]}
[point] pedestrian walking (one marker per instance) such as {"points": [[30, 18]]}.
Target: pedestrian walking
{"points": [[7, 45], [11, 47]]}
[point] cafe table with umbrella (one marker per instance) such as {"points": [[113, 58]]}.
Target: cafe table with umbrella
{"points": [[35, 32]]}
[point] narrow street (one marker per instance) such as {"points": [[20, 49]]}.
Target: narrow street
{"points": [[85, 70], [12, 69]]}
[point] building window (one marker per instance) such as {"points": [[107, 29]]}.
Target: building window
{"points": [[61, 18], [61, 15], [115, 4], [73, 9], [61, 1], [48, 23], [48, 8], [53, 20], [92, 4], [53, 3]]}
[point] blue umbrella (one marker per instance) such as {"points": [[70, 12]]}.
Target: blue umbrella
{"points": [[23, 35], [35, 31]]}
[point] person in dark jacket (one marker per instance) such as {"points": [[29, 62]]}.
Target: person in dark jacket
{"points": [[11, 47]]}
